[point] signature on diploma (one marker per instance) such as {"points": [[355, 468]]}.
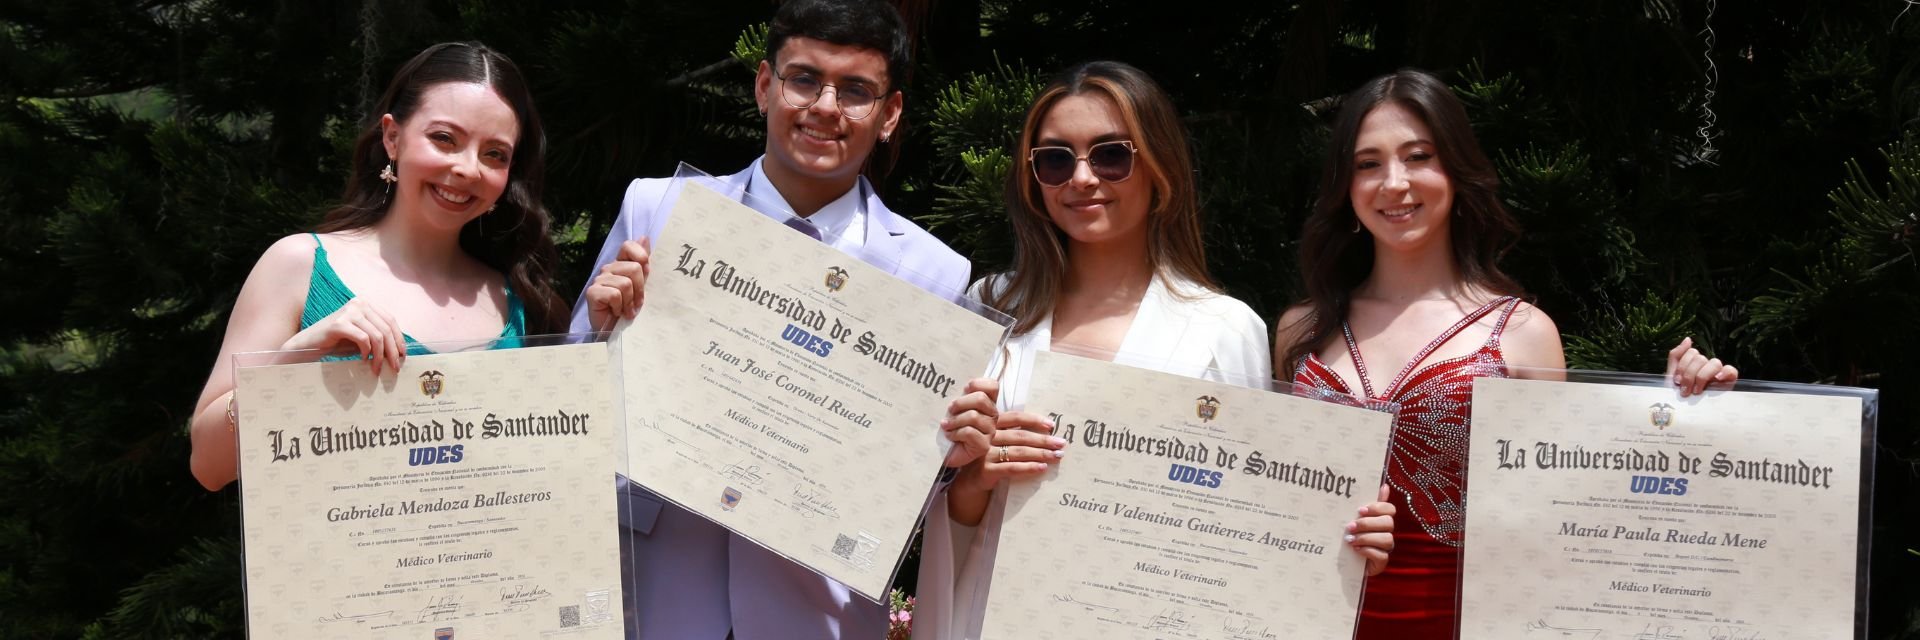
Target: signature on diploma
{"points": [[649, 424], [1169, 619], [810, 504], [1540, 627], [1657, 632], [747, 474], [341, 617], [521, 597], [1068, 599], [440, 608], [1734, 633], [1243, 629]]}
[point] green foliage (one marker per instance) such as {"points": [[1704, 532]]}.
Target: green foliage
{"points": [[1833, 83], [1868, 277], [1503, 113], [191, 598], [983, 111], [1886, 225], [975, 122], [1636, 335], [1561, 203], [751, 48], [972, 212]]}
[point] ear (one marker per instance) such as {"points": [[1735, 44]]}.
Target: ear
{"points": [[390, 136], [763, 87], [890, 110]]}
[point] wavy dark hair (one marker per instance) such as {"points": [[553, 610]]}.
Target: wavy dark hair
{"points": [[868, 24], [513, 237], [1173, 222], [1334, 259]]}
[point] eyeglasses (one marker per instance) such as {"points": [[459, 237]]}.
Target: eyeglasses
{"points": [[1109, 161], [801, 89]]}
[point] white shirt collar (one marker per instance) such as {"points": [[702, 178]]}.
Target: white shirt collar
{"points": [[844, 219]]}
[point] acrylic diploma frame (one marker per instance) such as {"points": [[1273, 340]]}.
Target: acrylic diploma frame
{"points": [[1604, 505], [463, 494], [788, 390], [1190, 502]]}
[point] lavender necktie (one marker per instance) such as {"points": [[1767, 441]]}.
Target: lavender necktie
{"points": [[801, 225]]}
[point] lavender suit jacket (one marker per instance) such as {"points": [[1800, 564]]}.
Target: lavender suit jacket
{"points": [[687, 577]]}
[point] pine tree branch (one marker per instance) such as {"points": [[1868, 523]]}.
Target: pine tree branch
{"points": [[1322, 107], [95, 91], [684, 79]]}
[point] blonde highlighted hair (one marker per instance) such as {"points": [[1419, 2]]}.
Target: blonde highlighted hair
{"points": [[1174, 245]]}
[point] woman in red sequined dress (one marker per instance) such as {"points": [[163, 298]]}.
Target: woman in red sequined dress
{"points": [[1401, 256]]}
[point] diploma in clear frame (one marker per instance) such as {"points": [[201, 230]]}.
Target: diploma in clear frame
{"points": [[462, 495], [789, 391], [1186, 508], [1603, 505]]}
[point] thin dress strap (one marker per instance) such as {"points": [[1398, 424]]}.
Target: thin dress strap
{"points": [[1360, 365], [1501, 324], [325, 292]]}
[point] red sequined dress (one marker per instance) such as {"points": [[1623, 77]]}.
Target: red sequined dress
{"points": [[1426, 466]]}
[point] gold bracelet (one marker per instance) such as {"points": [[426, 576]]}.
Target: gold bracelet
{"points": [[233, 418]]}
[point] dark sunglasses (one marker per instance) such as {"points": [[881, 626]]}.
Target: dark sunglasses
{"points": [[1109, 161]]}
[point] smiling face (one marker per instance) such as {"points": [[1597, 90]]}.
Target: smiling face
{"points": [[452, 155], [1400, 191], [820, 143], [1089, 209]]}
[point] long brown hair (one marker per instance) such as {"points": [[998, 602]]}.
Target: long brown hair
{"points": [[512, 238], [1173, 234], [1334, 259]]}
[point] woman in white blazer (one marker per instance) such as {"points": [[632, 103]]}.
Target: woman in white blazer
{"points": [[1108, 260]]}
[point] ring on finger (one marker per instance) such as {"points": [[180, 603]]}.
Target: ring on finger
{"points": [[1003, 455]]}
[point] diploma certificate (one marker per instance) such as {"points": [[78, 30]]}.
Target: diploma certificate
{"points": [[789, 391], [463, 496], [1185, 509], [1610, 511]]}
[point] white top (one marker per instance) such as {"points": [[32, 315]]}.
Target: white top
{"points": [[1206, 335], [843, 221]]}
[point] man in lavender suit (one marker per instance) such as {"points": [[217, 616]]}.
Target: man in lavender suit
{"points": [[829, 90]]}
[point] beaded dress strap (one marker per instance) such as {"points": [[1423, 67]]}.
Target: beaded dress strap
{"points": [[1360, 364]]}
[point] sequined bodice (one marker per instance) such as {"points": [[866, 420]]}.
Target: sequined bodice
{"points": [[1427, 458]]}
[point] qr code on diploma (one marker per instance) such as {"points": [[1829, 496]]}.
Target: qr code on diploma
{"points": [[857, 551], [843, 546], [570, 616]]}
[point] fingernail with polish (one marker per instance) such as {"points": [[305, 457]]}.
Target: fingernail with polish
{"points": [[1059, 454], [1057, 441], [1349, 537]]}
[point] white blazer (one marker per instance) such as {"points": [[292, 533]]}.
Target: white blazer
{"points": [[1206, 335]]}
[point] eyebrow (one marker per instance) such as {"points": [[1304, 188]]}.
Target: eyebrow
{"points": [[801, 67], [1410, 143], [1105, 137], [463, 131]]}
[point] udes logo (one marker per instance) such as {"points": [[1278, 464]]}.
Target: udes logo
{"points": [[444, 454], [1190, 475]]}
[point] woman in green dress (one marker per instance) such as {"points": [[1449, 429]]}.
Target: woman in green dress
{"points": [[441, 236]]}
